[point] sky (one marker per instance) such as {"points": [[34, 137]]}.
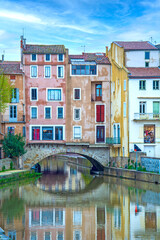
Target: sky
{"points": [[76, 23]]}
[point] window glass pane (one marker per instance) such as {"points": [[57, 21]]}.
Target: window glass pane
{"points": [[147, 55], [48, 57], [33, 236], [33, 94], [58, 133], [77, 217], [47, 236], [11, 130], [83, 69], [47, 71], [60, 112], [149, 133], [60, 57], [77, 132], [54, 94], [47, 217], [60, 236], [35, 133], [47, 112], [24, 131], [35, 218], [34, 112], [77, 114], [77, 93], [60, 71], [33, 71], [58, 217], [33, 57], [47, 133]]}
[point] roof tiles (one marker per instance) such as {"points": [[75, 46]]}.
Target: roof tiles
{"points": [[141, 45], [10, 68], [44, 49], [99, 58], [144, 72]]}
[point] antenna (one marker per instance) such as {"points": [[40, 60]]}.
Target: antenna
{"points": [[83, 47], [23, 32]]}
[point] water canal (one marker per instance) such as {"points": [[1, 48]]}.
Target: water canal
{"points": [[67, 203]]}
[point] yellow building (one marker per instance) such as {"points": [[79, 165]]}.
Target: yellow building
{"points": [[119, 104]]}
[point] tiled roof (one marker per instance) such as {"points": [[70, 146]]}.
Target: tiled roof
{"points": [[144, 72], [141, 45], [44, 49], [99, 58], [10, 68]]}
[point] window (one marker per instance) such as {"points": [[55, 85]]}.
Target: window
{"points": [[35, 133], [58, 133], [100, 134], [58, 217], [117, 218], [84, 70], [24, 131], [60, 112], [13, 113], [124, 109], [149, 133], [77, 235], [142, 107], [77, 93], [77, 114], [47, 217], [155, 84], [142, 85], [77, 132], [34, 57], [98, 92], [33, 71], [15, 95], [124, 85], [156, 112], [47, 133], [34, 113], [47, 70], [147, 55], [54, 95], [34, 95], [146, 64], [99, 113], [47, 236], [60, 71], [11, 235], [77, 218], [48, 57], [33, 236], [11, 130], [60, 236], [47, 112], [60, 57]]}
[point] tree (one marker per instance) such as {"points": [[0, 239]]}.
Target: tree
{"points": [[5, 92], [13, 145]]}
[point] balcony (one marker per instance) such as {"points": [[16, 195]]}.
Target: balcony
{"points": [[146, 116], [113, 141], [95, 98], [8, 119]]}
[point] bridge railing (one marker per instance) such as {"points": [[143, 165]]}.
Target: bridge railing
{"points": [[111, 140]]}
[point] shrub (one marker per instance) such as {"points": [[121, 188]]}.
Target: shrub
{"points": [[11, 165], [3, 168]]}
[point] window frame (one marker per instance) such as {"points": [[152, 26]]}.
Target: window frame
{"points": [[146, 64], [31, 112], [45, 55], [100, 110], [147, 58], [63, 71], [62, 57], [45, 112], [142, 104], [140, 87], [31, 93], [75, 138], [74, 94], [57, 112], [45, 66], [71, 69], [74, 114], [155, 81], [32, 57], [31, 71], [54, 89]]}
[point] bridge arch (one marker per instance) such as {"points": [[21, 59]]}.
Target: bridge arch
{"points": [[99, 157]]}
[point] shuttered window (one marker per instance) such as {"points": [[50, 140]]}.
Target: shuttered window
{"points": [[99, 113]]}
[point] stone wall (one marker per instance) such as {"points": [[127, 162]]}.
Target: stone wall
{"points": [[6, 162], [37, 152]]}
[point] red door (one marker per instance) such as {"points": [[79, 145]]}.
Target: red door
{"points": [[100, 134]]}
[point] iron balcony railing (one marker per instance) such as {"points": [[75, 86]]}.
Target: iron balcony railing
{"points": [[8, 118], [115, 140], [147, 116]]}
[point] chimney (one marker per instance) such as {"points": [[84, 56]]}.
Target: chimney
{"points": [[21, 42], [2, 58], [24, 43], [106, 51]]}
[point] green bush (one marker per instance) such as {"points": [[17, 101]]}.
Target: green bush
{"points": [[11, 165], [3, 168]]}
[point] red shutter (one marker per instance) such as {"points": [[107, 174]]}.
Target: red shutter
{"points": [[102, 113], [98, 115], [38, 130]]}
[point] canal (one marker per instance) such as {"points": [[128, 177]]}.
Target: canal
{"points": [[67, 203]]}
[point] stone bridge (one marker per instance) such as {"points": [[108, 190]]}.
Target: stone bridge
{"points": [[97, 155]]}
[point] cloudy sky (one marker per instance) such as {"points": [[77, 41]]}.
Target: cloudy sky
{"points": [[75, 23]]}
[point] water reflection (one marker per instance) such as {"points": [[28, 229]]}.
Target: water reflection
{"points": [[98, 209]]}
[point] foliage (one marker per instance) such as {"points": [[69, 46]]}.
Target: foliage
{"points": [[11, 165], [5, 92], [13, 145], [3, 168]]}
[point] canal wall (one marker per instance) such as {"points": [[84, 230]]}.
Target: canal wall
{"points": [[6, 163], [132, 174]]}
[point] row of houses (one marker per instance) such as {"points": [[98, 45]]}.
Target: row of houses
{"points": [[108, 100]]}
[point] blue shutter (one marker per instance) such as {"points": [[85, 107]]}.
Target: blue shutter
{"points": [[17, 95]]}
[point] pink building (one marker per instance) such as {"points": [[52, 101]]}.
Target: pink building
{"points": [[44, 67]]}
